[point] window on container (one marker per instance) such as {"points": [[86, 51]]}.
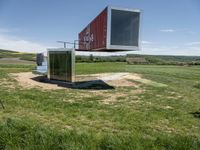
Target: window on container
{"points": [[124, 28], [61, 65], [58, 66]]}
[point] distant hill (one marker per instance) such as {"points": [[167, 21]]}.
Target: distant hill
{"points": [[130, 58], [163, 60], [15, 54], [143, 59], [9, 51]]}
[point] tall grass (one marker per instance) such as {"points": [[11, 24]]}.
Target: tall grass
{"points": [[18, 134]]}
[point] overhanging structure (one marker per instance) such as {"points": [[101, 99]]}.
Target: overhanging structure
{"points": [[114, 29]]}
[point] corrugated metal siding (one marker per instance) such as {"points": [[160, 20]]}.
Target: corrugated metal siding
{"points": [[93, 37]]}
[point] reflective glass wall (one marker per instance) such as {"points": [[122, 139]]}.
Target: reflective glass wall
{"points": [[124, 28], [61, 65]]}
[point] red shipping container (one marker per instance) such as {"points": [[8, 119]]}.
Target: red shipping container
{"points": [[114, 29]]}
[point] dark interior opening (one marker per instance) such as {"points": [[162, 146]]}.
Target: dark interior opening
{"points": [[124, 27]]}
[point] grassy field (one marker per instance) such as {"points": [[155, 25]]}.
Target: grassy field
{"points": [[157, 117], [19, 55]]}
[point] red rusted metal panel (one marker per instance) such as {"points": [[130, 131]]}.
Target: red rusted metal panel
{"points": [[93, 37]]}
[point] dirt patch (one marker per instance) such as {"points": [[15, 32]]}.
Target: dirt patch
{"points": [[113, 98], [126, 79], [138, 91], [121, 83], [25, 80], [93, 81], [112, 79], [7, 83]]}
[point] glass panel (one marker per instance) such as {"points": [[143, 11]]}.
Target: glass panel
{"points": [[60, 68], [124, 28], [69, 66], [51, 63], [61, 65]]}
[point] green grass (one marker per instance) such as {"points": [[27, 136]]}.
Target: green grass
{"points": [[160, 117]]}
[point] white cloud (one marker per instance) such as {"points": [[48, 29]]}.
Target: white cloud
{"points": [[2, 30], [193, 43], [8, 30], [146, 42], [167, 30], [9, 42], [180, 49], [101, 53], [148, 47], [154, 49], [16, 44]]}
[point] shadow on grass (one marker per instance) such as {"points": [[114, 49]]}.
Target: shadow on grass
{"points": [[196, 114], [91, 84]]}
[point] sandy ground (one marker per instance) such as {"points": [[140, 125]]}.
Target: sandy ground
{"points": [[29, 80], [93, 81]]}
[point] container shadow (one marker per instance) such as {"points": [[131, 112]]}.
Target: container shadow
{"points": [[90, 84]]}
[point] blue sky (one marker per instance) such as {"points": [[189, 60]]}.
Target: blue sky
{"points": [[169, 27]]}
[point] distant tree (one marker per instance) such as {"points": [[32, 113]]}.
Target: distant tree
{"points": [[91, 58]]}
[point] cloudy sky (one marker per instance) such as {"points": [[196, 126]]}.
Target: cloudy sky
{"points": [[169, 27]]}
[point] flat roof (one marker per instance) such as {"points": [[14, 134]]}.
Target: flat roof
{"points": [[60, 49], [124, 9]]}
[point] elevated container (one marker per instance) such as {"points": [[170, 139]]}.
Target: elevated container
{"points": [[114, 29]]}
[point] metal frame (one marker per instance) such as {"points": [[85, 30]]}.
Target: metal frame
{"points": [[72, 59], [108, 42]]}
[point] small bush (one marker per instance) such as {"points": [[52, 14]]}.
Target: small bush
{"points": [[197, 86]]}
